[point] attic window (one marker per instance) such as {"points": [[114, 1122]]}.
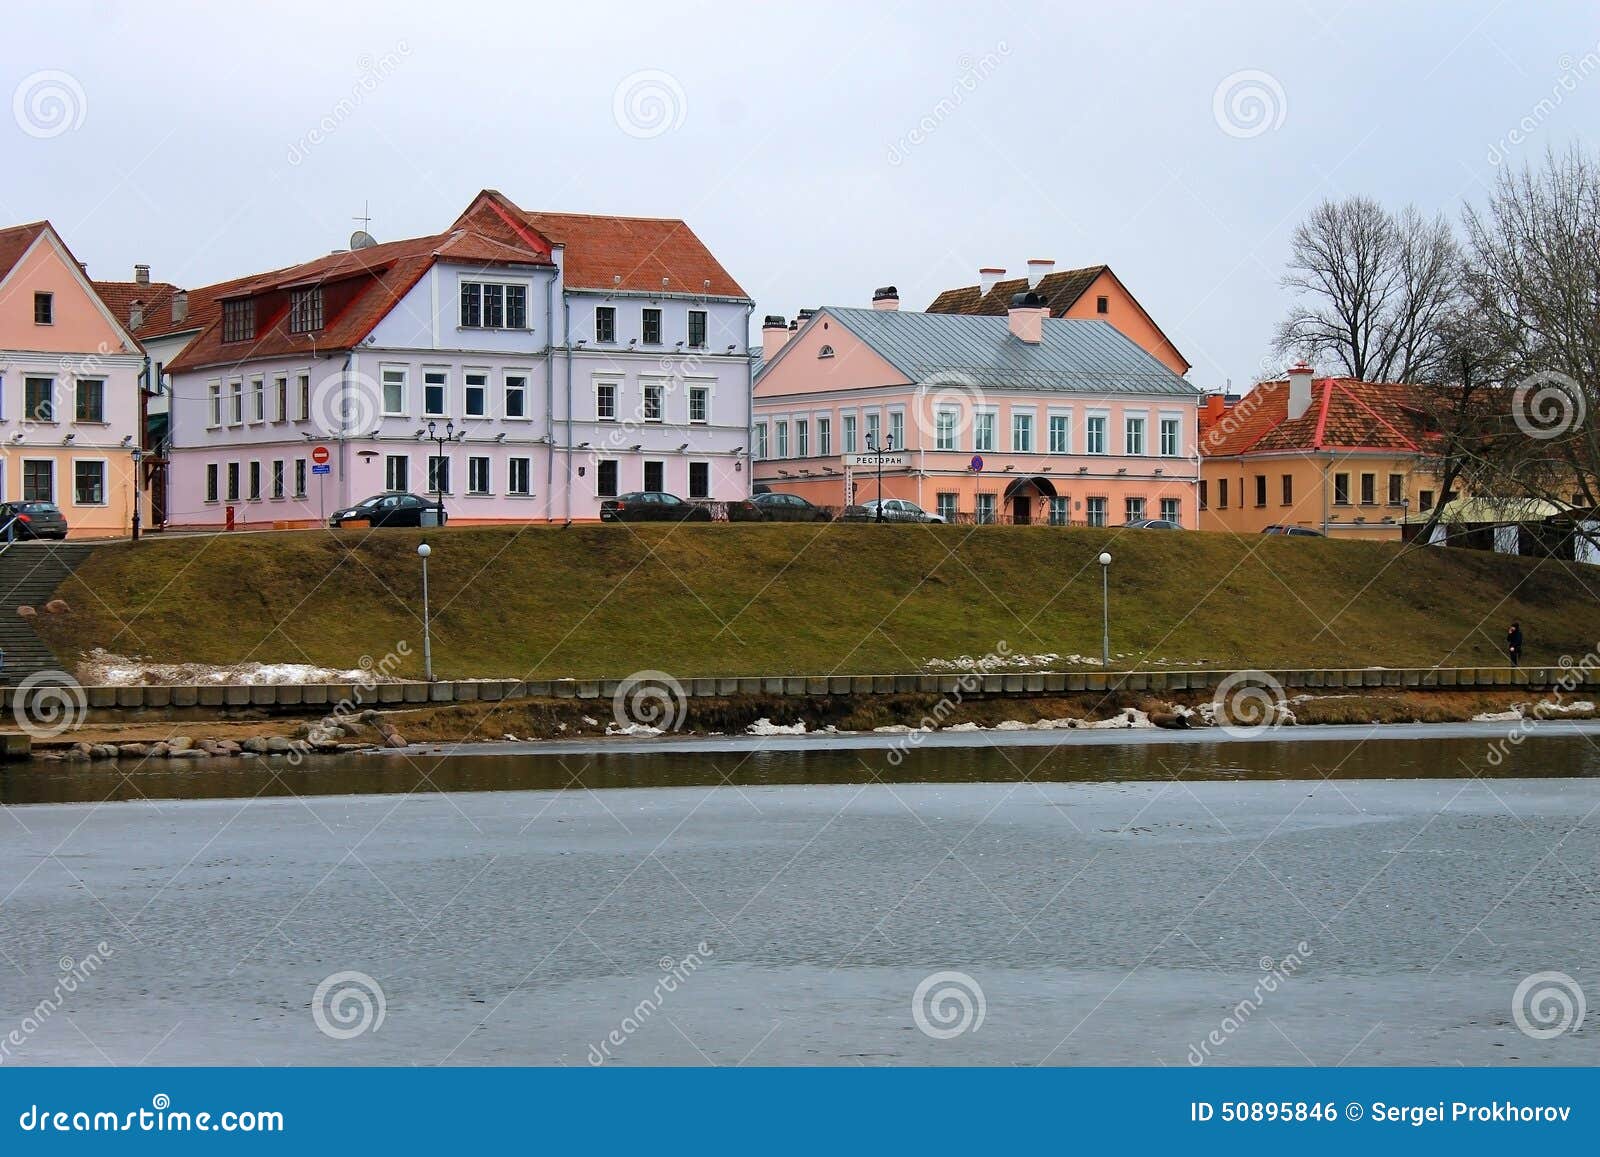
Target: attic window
{"points": [[825, 352], [1102, 305], [43, 308], [305, 310], [238, 320]]}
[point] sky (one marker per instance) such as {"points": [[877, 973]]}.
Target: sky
{"points": [[819, 149]]}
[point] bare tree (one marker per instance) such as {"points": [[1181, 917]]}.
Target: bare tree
{"points": [[1374, 289]]}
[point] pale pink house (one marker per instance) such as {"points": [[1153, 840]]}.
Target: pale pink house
{"points": [[1015, 418]]}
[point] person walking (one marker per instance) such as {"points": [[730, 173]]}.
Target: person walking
{"points": [[1514, 643]]}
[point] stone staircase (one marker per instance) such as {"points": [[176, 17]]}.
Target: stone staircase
{"points": [[30, 572]]}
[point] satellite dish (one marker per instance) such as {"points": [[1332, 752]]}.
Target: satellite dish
{"points": [[361, 239]]}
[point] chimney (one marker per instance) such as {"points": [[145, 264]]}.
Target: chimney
{"points": [[84, 265], [136, 315], [180, 306], [988, 277], [1216, 406], [886, 297], [1300, 376], [1039, 267], [141, 274], [1026, 316], [774, 334]]}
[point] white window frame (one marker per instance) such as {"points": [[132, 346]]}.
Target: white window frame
{"points": [[505, 325], [1128, 418], [615, 386], [1031, 417], [389, 462], [303, 388], [823, 423], [511, 476], [760, 448], [1065, 418], [476, 464], [404, 373], [981, 444], [1175, 505], [214, 395], [658, 386], [1161, 423], [468, 373], [703, 389], [236, 402], [444, 411], [280, 391], [897, 427], [849, 432], [105, 481], [594, 325], [506, 375], [258, 400], [1089, 419], [946, 437]]}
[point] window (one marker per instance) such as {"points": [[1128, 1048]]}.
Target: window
{"points": [[396, 472], [783, 439], [233, 482], [825, 437], [1288, 490], [44, 308], [214, 391], [1261, 489], [1425, 499], [516, 395], [1060, 510], [1222, 494], [38, 481], [944, 430], [519, 476], [305, 397], [277, 478], [652, 327], [211, 481], [825, 351], [91, 402], [697, 329], [280, 388], [1095, 512], [492, 305], [1134, 508], [1021, 433], [874, 431], [299, 477], [947, 504], [39, 399], [897, 429], [477, 475], [1170, 442], [983, 510], [1341, 490], [516, 307], [699, 403], [255, 482], [1204, 496], [258, 400], [236, 403], [761, 440], [438, 474], [605, 401], [1169, 509], [1369, 489], [605, 478], [605, 323], [1059, 426], [699, 478], [802, 438], [435, 384], [983, 430], [652, 402], [305, 310], [1397, 486], [1133, 435], [1094, 434], [394, 390], [849, 434], [89, 483], [477, 388], [1102, 305], [238, 320], [655, 476]]}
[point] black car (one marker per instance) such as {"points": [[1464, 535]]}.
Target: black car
{"points": [[652, 506], [389, 510], [1294, 531], [774, 507], [32, 520]]}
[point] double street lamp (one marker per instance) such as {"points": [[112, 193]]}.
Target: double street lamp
{"points": [[440, 466], [880, 447]]}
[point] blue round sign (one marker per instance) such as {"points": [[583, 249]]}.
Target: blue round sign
{"points": [[977, 463]]}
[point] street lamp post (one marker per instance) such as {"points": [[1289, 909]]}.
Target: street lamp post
{"points": [[1105, 611], [423, 551], [138, 488], [440, 466], [880, 447]]}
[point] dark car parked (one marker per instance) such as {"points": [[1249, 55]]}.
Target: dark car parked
{"points": [[1294, 531], [1152, 524], [652, 506], [32, 520], [389, 510], [774, 507]]}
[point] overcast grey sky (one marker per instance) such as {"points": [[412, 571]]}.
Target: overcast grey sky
{"points": [[820, 149]]}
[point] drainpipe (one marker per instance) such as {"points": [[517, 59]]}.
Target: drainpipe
{"points": [[1325, 498], [350, 363], [549, 397], [566, 342], [750, 408]]}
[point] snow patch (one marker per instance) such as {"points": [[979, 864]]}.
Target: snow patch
{"points": [[102, 668], [765, 726]]}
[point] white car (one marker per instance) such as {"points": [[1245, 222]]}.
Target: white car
{"points": [[894, 510]]}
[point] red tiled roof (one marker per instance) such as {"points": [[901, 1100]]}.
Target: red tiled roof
{"points": [[1344, 414], [1061, 290], [15, 241], [631, 253], [119, 297]]}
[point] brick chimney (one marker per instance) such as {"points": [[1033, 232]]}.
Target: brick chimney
{"points": [[1300, 375], [886, 297], [1039, 268], [988, 277], [774, 335], [141, 274], [180, 306], [1026, 317]]}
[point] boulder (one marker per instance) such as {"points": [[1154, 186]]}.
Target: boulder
{"points": [[135, 750], [160, 750], [74, 754], [56, 607], [103, 751], [191, 753], [256, 745], [279, 745], [1171, 720], [180, 742], [26, 613]]}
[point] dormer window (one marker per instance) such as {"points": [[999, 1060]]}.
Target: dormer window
{"points": [[825, 352], [1102, 305], [493, 305], [305, 310], [44, 305], [238, 320]]}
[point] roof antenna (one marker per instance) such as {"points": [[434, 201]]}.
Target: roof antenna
{"points": [[361, 239]]}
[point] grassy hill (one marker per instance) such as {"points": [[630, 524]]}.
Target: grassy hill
{"points": [[596, 601]]}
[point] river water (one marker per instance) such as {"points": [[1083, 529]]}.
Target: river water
{"points": [[1341, 896]]}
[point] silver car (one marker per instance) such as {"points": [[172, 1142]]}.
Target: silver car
{"points": [[894, 510]]}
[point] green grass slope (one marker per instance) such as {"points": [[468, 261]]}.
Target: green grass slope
{"points": [[597, 601]]}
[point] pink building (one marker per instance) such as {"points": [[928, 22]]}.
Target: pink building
{"points": [[1016, 418]]}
